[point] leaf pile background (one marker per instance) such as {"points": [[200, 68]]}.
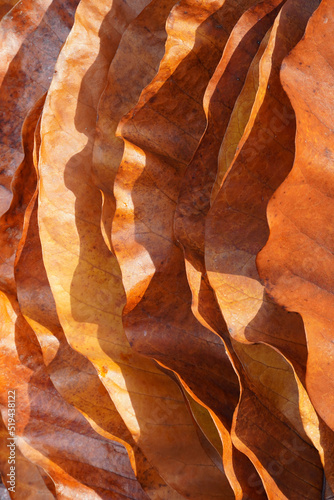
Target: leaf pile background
{"points": [[167, 240]]}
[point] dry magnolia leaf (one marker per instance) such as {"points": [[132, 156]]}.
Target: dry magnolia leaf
{"points": [[31, 36], [299, 242], [133, 67], [241, 203], [295, 262]]}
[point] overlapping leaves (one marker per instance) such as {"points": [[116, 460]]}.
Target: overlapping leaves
{"points": [[166, 246]]}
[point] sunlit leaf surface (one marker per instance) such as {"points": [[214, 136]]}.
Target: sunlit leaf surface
{"points": [[166, 237]]}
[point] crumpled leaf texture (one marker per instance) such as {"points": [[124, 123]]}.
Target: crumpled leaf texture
{"points": [[166, 276]]}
